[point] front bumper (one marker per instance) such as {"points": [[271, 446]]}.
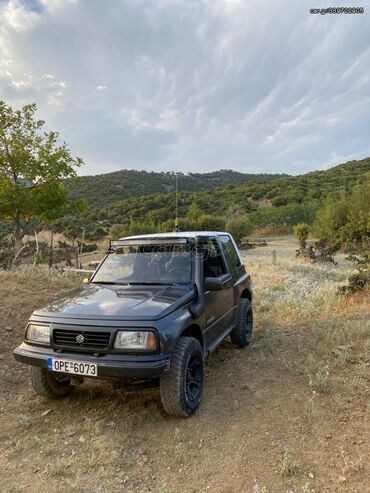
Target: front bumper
{"points": [[109, 365]]}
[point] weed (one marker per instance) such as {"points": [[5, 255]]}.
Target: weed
{"points": [[342, 355], [359, 328], [274, 257], [288, 466], [310, 406], [328, 335], [270, 336], [318, 374], [319, 380], [15, 489], [58, 469]]}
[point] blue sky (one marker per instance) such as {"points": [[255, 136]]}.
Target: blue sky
{"points": [[194, 86]]}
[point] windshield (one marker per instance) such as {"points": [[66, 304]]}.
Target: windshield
{"points": [[146, 264]]}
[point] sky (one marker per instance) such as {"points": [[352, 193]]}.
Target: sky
{"points": [[257, 86]]}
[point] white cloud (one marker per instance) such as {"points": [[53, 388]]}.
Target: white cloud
{"points": [[16, 17], [192, 85]]}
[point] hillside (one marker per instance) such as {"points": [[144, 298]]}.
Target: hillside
{"points": [[286, 200], [281, 202], [101, 190]]}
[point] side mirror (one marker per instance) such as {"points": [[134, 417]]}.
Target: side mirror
{"points": [[213, 284]]}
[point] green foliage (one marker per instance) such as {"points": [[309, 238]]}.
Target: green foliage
{"points": [[33, 167], [102, 190], [302, 230], [357, 228], [5, 229], [287, 215], [345, 218], [134, 228], [359, 280], [302, 198], [193, 212], [332, 217], [239, 228], [207, 222], [116, 231]]}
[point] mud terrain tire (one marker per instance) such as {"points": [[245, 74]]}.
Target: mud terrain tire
{"points": [[182, 385], [48, 385], [241, 335]]}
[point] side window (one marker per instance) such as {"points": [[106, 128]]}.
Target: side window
{"points": [[231, 252], [213, 261]]}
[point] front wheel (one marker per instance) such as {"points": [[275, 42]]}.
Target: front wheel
{"points": [[182, 385], [241, 335], [50, 385]]}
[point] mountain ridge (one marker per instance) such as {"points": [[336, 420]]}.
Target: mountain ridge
{"points": [[284, 200], [106, 188]]}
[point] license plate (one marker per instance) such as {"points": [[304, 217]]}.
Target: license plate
{"points": [[74, 367]]}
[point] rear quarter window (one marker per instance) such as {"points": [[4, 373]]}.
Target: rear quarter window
{"points": [[231, 252]]}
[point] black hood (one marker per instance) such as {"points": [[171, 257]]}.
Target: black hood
{"points": [[139, 302]]}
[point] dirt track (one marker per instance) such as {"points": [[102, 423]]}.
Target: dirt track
{"points": [[260, 426]]}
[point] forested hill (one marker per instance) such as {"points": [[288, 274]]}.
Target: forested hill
{"points": [[315, 185], [101, 190], [283, 201]]}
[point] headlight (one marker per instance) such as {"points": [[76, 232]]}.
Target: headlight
{"points": [[38, 333], [136, 340]]}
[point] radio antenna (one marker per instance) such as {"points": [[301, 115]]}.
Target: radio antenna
{"points": [[177, 202]]}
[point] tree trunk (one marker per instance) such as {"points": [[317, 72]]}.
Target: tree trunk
{"points": [[17, 234], [51, 259], [17, 239], [36, 259], [77, 258]]}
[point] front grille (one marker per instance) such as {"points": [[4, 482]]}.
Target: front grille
{"points": [[91, 340]]}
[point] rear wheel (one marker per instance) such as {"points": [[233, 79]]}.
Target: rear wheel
{"points": [[50, 385], [241, 335], [182, 385]]}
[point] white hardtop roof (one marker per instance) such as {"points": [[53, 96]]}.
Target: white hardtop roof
{"points": [[179, 234]]}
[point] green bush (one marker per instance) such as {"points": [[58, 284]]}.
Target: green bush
{"points": [[239, 228]]}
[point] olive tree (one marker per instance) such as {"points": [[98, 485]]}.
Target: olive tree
{"points": [[33, 167]]}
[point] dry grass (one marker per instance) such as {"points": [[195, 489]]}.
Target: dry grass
{"points": [[291, 295], [43, 277]]}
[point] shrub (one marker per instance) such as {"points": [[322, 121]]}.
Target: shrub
{"points": [[301, 231], [208, 222], [360, 280], [239, 228]]}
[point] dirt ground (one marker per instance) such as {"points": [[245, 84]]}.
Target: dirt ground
{"points": [[289, 414]]}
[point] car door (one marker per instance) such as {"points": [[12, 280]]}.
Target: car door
{"points": [[218, 304]]}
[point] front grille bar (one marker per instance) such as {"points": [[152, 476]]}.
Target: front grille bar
{"points": [[89, 340]]}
